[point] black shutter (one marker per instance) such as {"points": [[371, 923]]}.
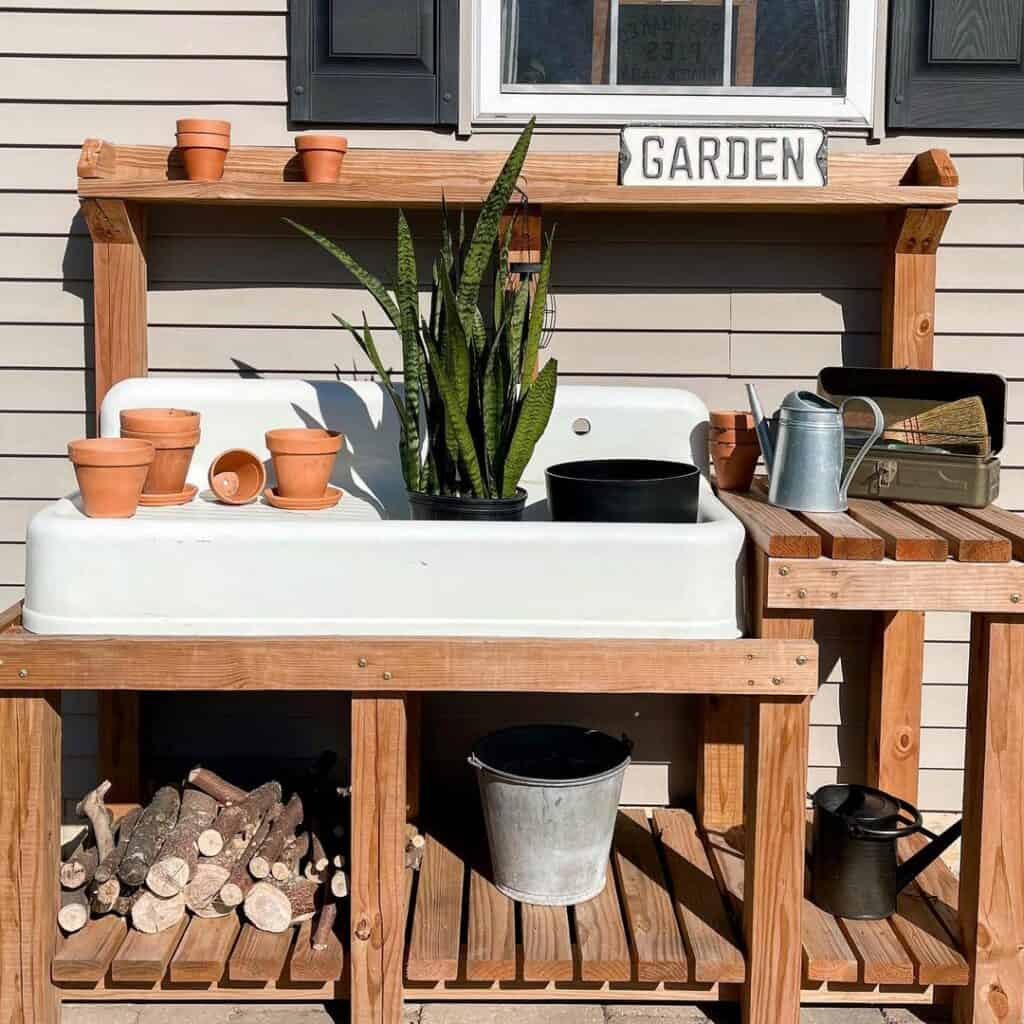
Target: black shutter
{"points": [[956, 64], [373, 61]]}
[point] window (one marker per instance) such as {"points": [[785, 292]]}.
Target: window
{"points": [[616, 61]]}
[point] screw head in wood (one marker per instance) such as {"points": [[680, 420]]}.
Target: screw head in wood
{"points": [[386, 675], [362, 663], [801, 659], [23, 673], [776, 680], [784, 570], [1015, 597], [801, 592]]}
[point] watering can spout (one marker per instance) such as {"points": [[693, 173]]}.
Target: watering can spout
{"points": [[764, 436], [910, 869]]}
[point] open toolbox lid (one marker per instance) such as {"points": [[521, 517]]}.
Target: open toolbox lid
{"points": [[906, 392]]}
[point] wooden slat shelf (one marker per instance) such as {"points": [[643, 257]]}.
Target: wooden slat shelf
{"points": [[417, 178], [199, 958], [883, 556], [665, 926]]}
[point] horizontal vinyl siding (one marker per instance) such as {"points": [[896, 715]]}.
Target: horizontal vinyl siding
{"points": [[698, 302]]}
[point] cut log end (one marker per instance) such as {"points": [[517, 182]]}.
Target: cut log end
{"points": [[211, 842], [231, 895], [276, 907], [259, 867], [74, 910], [151, 914], [168, 876]]}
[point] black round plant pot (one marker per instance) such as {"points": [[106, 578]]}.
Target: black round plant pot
{"points": [[443, 506], [623, 491]]}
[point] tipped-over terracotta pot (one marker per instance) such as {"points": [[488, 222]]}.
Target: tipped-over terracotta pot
{"points": [[237, 476], [303, 460], [174, 433], [321, 156], [111, 472], [204, 144]]}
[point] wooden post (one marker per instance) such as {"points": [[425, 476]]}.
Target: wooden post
{"points": [[378, 857], [894, 703], [720, 729], [118, 232], [908, 279], [992, 857], [775, 787], [30, 816]]}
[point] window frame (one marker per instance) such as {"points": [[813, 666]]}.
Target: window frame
{"points": [[589, 105]]}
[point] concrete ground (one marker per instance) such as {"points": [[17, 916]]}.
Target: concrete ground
{"points": [[463, 1013]]}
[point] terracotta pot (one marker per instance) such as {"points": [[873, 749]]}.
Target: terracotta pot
{"points": [[303, 460], [203, 124], [732, 419], [734, 464], [203, 160], [321, 156], [111, 472], [237, 476], [174, 433], [726, 435]]}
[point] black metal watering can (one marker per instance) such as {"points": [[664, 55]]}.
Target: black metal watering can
{"points": [[854, 869]]}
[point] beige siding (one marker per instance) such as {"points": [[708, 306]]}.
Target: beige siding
{"points": [[704, 303]]}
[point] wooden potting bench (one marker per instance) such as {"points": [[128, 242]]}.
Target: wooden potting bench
{"points": [[666, 927]]}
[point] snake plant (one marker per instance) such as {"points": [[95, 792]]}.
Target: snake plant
{"points": [[472, 405]]}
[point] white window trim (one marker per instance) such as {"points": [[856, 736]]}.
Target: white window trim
{"points": [[491, 106]]}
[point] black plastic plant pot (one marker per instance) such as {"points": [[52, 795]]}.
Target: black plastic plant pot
{"points": [[623, 491], [446, 507]]}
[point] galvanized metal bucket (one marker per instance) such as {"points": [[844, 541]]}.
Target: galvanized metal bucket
{"points": [[550, 794]]}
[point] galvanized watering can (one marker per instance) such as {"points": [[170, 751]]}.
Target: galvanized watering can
{"points": [[855, 869], [803, 450]]}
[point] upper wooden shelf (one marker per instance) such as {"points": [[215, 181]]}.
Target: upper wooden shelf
{"points": [[418, 178]]}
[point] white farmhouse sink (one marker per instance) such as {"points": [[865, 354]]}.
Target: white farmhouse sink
{"points": [[363, 568]]}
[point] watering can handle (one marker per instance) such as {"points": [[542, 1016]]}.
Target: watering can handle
{"points": [[876, 433]]}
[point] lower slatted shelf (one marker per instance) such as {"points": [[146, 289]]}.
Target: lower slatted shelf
{"points": [[666, 922], [198, 958]]}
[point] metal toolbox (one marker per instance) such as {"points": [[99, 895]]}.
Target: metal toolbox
{"points": [[903, 474]]}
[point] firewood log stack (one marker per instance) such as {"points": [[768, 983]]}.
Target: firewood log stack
{"points": [[209, 848]]}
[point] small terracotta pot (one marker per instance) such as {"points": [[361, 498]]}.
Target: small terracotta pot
{"points": [[237, 476], [321, 156], [174, 433], [204, 145], [734, 464], [111, 472], [303, 460], [732, 419]]}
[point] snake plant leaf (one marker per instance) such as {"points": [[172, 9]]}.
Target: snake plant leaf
{"points": [[515, 328], [456, 422], [485, 231], [533, 337], [408, 307], [533, 419], [456, 349], [372, 284], [492, 403]]}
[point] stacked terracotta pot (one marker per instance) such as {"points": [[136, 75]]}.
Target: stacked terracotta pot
{"points": [[734, 448], [204, 145], [303, 460], [174, 434]]}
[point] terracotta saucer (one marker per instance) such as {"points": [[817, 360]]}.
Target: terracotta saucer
{"points": [[159, 500], [330, 498]]}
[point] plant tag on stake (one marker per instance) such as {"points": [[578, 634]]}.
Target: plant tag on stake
{"points": [[724, 157]]}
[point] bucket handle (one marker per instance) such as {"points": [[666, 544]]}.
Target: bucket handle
{"points": [[909, 827]]}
